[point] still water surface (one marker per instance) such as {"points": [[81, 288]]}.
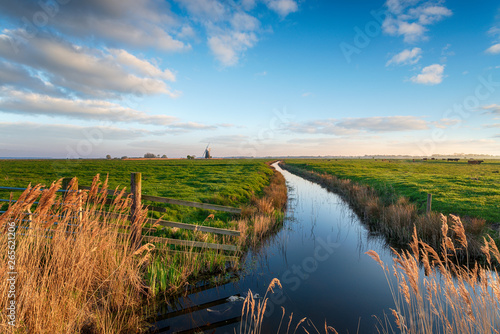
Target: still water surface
{"points": [[319, 257]]}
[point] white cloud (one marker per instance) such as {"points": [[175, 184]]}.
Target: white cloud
{"points": [[385, 124], [234, 140], [446, 122], [494, 49], [193, 126], [229, 47], [205, 10], [19, 102], [131, 23], [431, 75], [350, 126], [406, 57], [492, 126], [492, 108], [141, 66], [282, 7], [244, 22], [86, 71], [230, 28], [412, 32], [18, 77], [409, 18], [65, 131]]}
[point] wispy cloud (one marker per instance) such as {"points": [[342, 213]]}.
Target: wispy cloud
{"points": [[494, 49], [491, 126], [283, 7], [230, 28], [19, 102], [492, 108], [225, 139], [410, 18], [351, 126], [193, 126], [228, 47], [64, 131], [406, 57], [445, 123], [494, 32], [431, 75]]}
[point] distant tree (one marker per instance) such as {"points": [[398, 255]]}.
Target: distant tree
{"points": [[124, 157], [191, 157], [149, 155], [108, 157], [164, 156]]}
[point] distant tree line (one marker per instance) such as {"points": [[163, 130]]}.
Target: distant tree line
{"points": [[147, 155]]}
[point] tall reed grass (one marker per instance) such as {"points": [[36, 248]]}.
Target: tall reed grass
{"points": [[75, 273], [449, 297], [253, 315]]}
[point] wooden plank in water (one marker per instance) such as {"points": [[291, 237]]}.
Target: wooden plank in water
{"points": [[194, 227], [166, 223], [193, 308], [189, 243], [205, 206]]}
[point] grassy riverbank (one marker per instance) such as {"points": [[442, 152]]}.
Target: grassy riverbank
{"points": [[391, 214], [81, 276], [457, 187]]}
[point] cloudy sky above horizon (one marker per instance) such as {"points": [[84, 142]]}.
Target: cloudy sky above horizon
{"points": [[83, 79]]}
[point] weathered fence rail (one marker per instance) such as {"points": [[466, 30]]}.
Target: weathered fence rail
{"points": [[136, 229]]}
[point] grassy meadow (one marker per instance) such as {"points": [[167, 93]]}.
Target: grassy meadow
{"points": [[457, 187], [223, 182]]}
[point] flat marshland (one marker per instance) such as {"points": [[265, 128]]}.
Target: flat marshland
{"points": [[81, 266], [228, 182], [457, 187]]}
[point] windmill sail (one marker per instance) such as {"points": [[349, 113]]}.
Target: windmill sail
{"points": [[206, 154]]}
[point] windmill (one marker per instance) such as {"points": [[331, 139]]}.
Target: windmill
{"points": [[206, 154]]}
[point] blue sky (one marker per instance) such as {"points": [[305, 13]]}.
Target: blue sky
{"points": [[250, 77]]}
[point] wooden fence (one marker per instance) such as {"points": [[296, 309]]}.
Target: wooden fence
{"points": [[136, 229]]}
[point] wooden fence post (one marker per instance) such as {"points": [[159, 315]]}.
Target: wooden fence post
{"points": [[135, 210], [65, 185], [429, 203]]}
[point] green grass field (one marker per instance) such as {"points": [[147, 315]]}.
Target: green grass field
{"points": [[224, 182], [457, 187]]}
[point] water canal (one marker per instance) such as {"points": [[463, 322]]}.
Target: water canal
{"points": [[319, 257]]}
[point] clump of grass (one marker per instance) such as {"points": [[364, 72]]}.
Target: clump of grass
{"points": [[169, 271], [73, 274], [450, 298], [265, 214]]}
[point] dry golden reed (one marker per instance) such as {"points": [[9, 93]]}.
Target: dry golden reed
{"points": [[75, 270], [450, 298], [253, 313]]}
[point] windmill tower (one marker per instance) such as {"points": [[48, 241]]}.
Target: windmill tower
{"points": [[206, 154]]}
